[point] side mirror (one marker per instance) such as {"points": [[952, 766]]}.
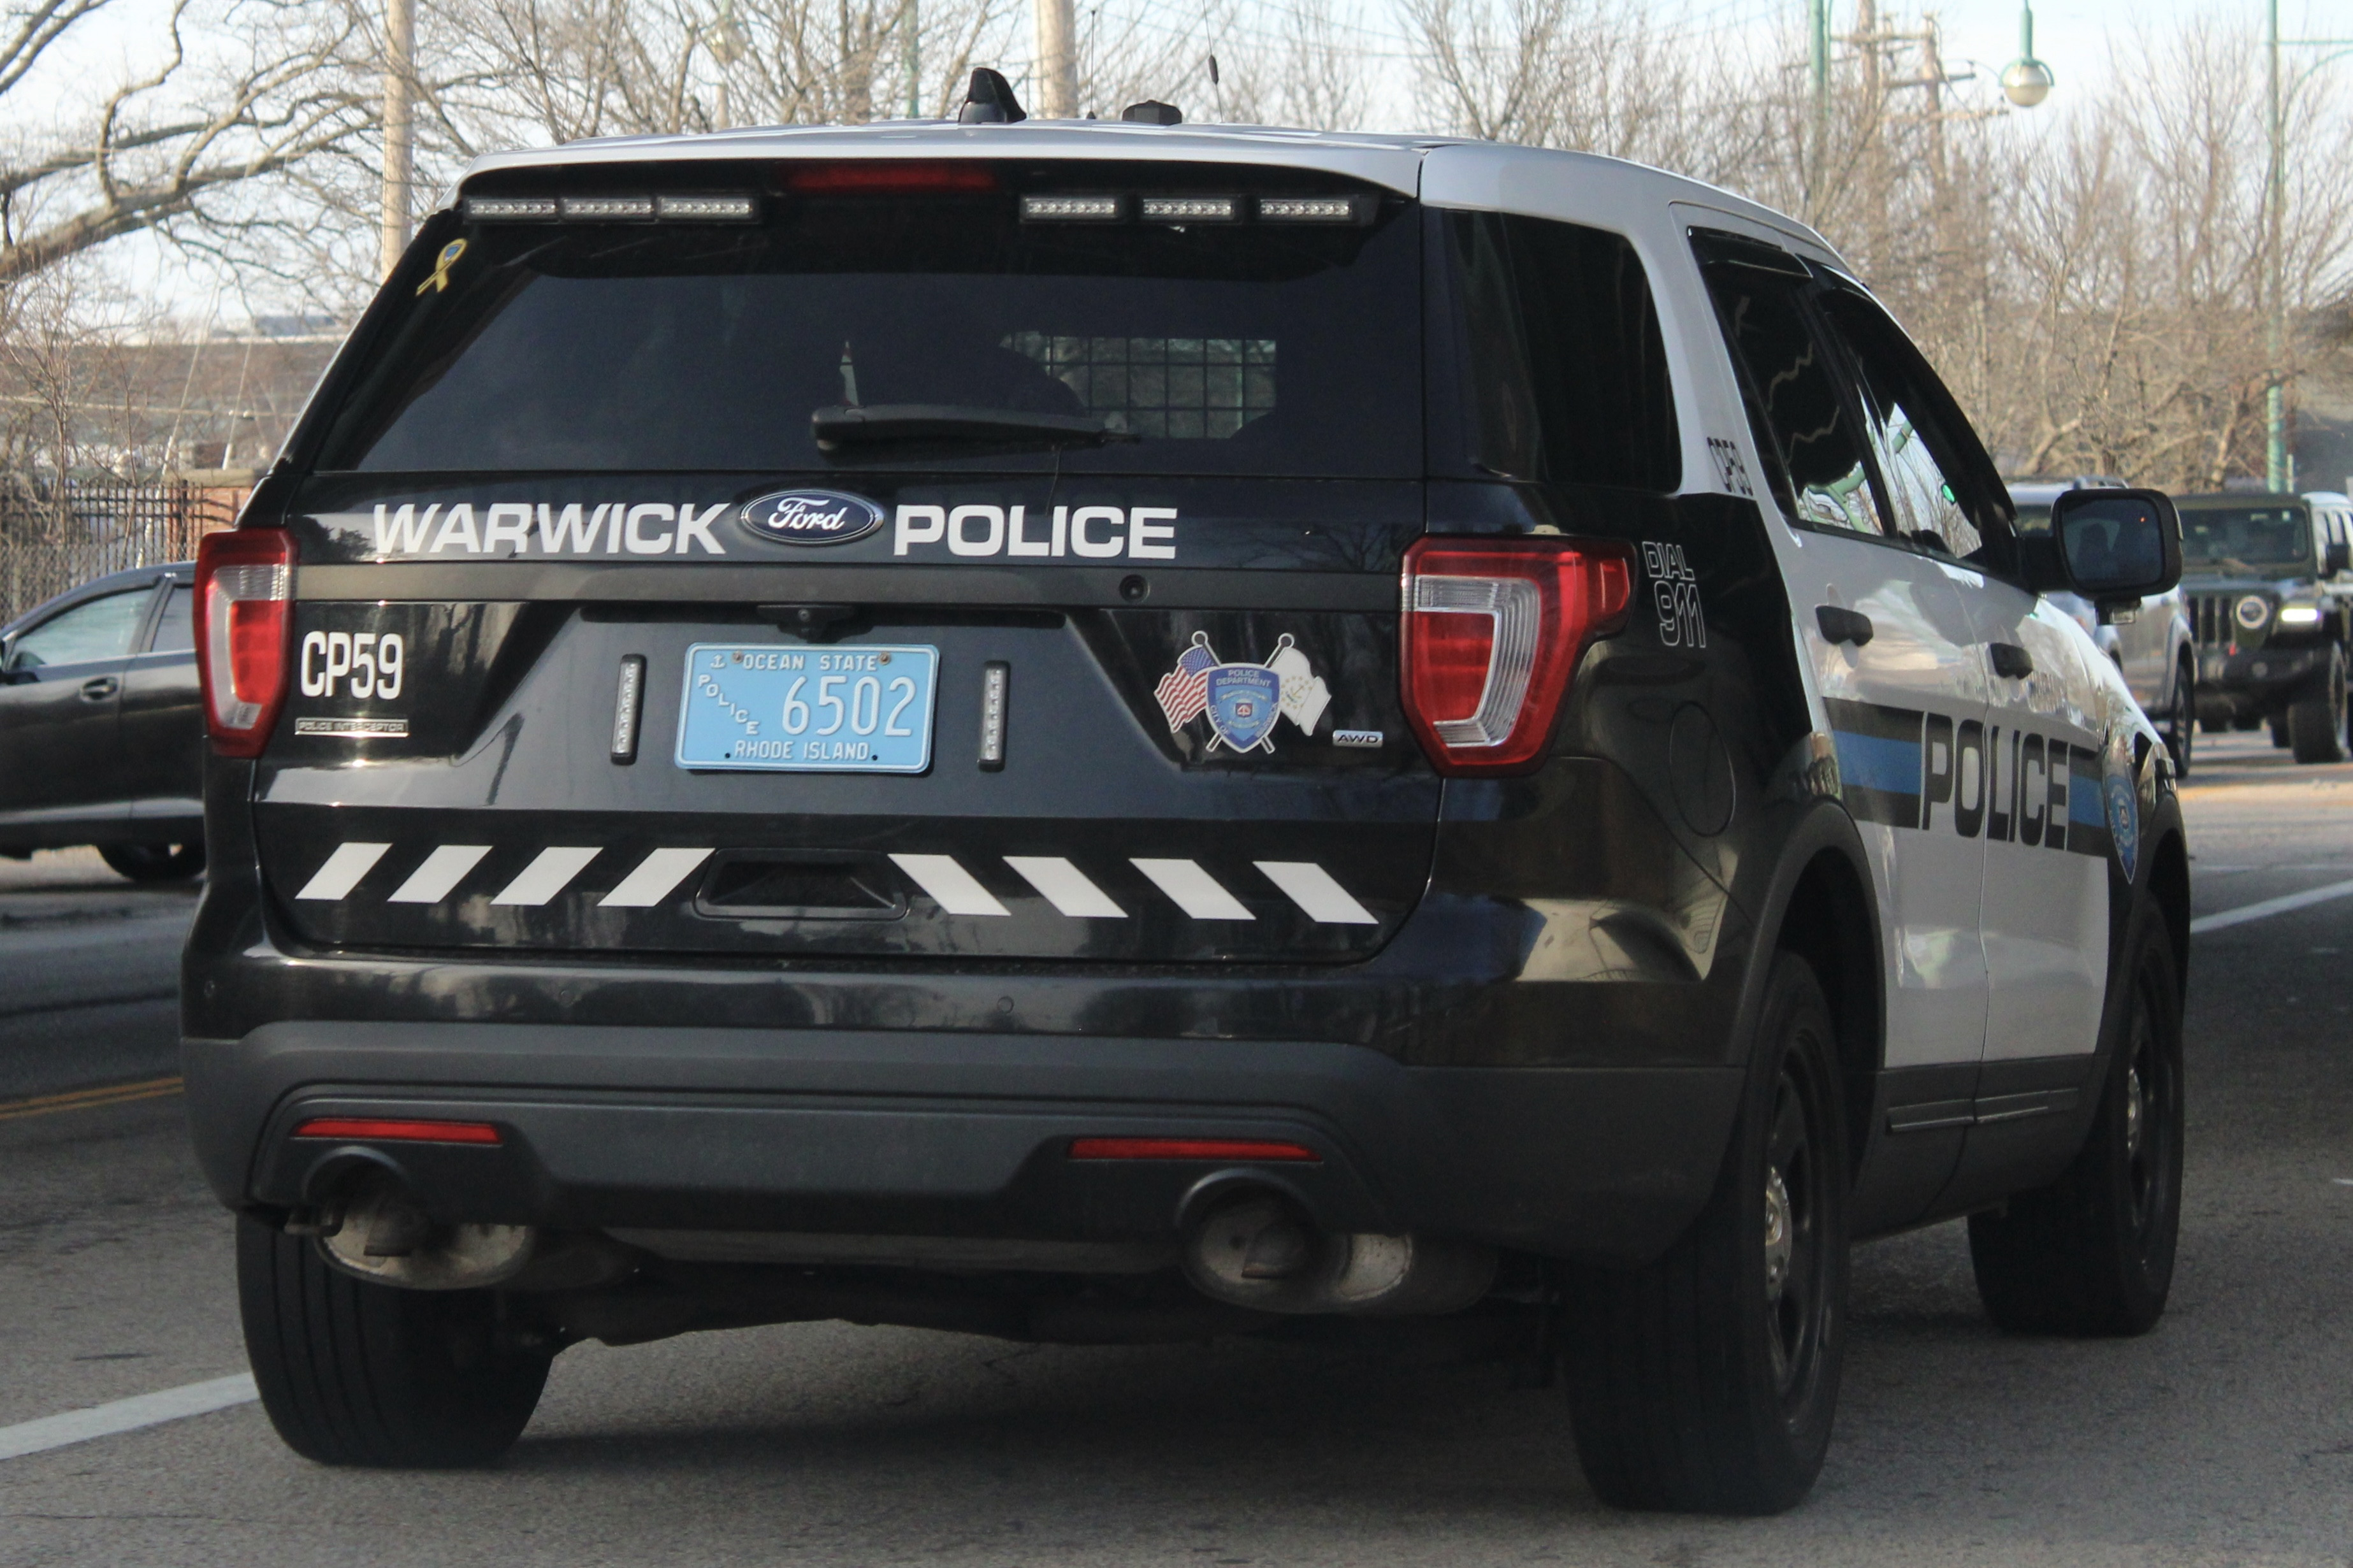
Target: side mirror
{"points": [[2339, 556], [2117, 547]]}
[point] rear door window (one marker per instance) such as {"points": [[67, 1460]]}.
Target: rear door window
{"points": [[1247, 347], [1799, 415], [89, 633], [1564, 368]]}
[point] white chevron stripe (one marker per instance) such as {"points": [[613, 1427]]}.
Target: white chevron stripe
{"points": [[546, 875], [1197, 892], [952, 887], [343, 870], [1313, 889], [1066, 887], [443, 870], [656, 876]]}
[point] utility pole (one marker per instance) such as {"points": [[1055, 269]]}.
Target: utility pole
{"points": [[1818, 70], [399, 130], [1867, 40], [913, 54], [2276, 467], [2279, 463], [1058, 65]]}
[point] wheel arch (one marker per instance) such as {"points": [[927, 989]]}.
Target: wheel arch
{"points": [[1825, 909]]}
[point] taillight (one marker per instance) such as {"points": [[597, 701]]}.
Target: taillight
{"points": [[1493, 633], [245, 614]]}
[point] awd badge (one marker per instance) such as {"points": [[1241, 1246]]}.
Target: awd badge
{"points": [[1242, 701]]}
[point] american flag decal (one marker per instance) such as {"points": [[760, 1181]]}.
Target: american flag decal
{"points": [[1184, 691]]}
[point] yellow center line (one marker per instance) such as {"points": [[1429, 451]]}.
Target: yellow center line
{"points": [[85, 1099]]}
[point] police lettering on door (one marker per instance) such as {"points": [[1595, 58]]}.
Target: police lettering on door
{"points": [[1912, 769]]}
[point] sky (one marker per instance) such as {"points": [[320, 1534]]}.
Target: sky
{"points": [[2078, 39]]}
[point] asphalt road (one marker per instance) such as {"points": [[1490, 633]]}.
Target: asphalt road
{"points": [[2225, 1437]]}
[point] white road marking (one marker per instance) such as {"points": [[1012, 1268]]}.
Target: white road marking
{"points": [[952, 887], [1066, 887], [546, 875], [126, 1415], [1312, 889], [1197, 892], [656, 876], [2224, 919], [443, 870], [343, 870]]}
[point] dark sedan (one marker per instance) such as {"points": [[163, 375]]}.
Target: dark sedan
{"points": [[101, 725]]}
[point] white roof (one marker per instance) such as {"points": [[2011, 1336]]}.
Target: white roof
{"points": [[1390, 160]]}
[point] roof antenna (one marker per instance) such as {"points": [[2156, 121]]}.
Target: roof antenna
{"points": [[1152, 111], [989, 100]]}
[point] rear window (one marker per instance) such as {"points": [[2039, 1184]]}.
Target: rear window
{"points": [[1249, 347]]}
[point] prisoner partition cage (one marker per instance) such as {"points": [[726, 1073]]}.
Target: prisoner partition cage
{"points": [[57, 538]]}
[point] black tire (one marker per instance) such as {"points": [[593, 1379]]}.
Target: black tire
{"points": [[2315, 723], [2215, 726], [2092, 1254], [2181, 719], [2278, 722], [1701, 1383], [359, 1373], [154, 862]]}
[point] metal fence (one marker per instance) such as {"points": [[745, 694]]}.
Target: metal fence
{"points": [[51, 541]]}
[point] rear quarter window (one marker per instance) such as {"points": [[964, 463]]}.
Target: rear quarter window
{"points": [[1564, 368]]}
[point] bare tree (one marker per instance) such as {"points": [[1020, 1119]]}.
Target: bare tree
{"points": [[183, 145]]}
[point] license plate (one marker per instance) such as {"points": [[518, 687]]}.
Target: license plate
{"points": [[862, 708]]}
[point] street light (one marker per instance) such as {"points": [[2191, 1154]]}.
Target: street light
{"points": [[2027, 81], [2279, 466]]}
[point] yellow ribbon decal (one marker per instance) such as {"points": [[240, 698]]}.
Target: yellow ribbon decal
{"points": [[441, 265]]}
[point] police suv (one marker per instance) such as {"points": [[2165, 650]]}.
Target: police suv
{"points": [[1113, 732]]}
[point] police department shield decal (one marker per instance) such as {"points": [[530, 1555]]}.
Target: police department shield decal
{"points": [[1244, 701]]}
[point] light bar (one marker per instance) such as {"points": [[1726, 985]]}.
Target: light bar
{"points": [[1314, 209], [509, 209], [1246, 1149], [1073, 209], [607, 209], [706, 208], [384, 1130], [1191, 209]]}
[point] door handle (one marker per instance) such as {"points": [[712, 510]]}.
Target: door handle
{"points": [[99, 688], [1842, 625], [2010, 662]]}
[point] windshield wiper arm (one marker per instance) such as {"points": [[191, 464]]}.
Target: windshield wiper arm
{"points": [[953, 422]]}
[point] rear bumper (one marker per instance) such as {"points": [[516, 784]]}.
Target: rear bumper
{"points": [[960, 1134]]}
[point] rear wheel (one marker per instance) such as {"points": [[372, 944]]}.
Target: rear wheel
{"points": [[154, 862], [2181, 719], [357, 1373], [2093, 1253], [2315, 724], [1707, 1382]]}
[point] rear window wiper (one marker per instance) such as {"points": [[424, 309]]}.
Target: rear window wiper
{"points": [[949, 423]]}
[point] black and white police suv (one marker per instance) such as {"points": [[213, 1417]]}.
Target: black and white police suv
{"points": [[1099, 732]]}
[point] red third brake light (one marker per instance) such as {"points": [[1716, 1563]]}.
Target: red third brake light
{"points": [[397, 1129], [1492, 632], [245, 617], [886, 177]]}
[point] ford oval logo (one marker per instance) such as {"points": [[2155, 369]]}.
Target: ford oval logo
{"points": [[811, 517]]}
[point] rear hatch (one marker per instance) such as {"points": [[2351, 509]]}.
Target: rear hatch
{"points": [[866, 560]]}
